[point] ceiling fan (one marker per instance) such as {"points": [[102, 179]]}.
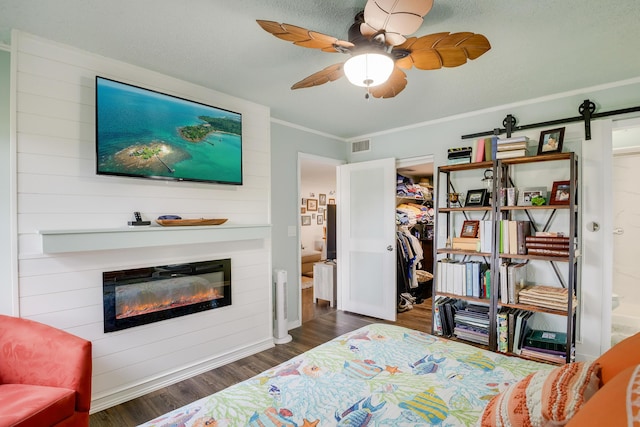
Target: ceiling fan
{"points": [[377, 44]]}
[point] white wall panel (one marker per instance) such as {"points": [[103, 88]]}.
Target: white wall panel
{"points": [[58, 189]]}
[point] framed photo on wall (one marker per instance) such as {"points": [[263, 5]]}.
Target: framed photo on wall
{"points": [[312, 204], [306, 219], [320, 219], [551, 141], [322, 199]]}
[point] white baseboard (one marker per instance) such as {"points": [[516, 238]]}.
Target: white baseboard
{"points": [[100, 403]]}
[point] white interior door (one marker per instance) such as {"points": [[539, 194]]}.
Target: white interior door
{"points": [[366, 244]]}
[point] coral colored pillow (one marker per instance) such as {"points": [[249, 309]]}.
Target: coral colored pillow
{"points": [[619, 357], [617, 400], [544, 397]]}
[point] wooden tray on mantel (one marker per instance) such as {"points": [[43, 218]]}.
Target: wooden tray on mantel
{"points": [[183, 222]]}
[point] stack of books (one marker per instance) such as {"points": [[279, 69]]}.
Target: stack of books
{"points": [[547, 297], [545, 345], [547, 245], [464, 278], [513, 236], [512, 281], [460, 155], [444, 312], [472, 323], [511, 147]]}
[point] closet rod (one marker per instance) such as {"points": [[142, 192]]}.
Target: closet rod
{"points": [[586, 109]]}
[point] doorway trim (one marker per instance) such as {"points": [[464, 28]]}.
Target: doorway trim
{"points": [[302, 157]]}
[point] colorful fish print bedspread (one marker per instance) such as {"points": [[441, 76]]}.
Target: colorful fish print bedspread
{"points": [[379, 375]]}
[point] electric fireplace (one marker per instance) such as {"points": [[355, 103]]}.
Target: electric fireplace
{"points": [[145, 295]]}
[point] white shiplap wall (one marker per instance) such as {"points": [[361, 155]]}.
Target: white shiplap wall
{"points": [[57, 188]]}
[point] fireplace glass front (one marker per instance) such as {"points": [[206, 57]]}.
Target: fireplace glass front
{"points": [[144, 295]]}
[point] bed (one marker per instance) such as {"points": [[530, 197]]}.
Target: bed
{"points": [[387, 375]]}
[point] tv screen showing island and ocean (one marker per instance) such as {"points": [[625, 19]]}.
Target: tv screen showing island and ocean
{"points": [[144, 133]]}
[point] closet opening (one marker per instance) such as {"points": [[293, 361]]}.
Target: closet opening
{"points": [[414, 237]]}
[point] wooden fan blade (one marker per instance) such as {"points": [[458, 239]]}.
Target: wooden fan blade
{"points": [[435, 51], [395, 17], [396, 84], [303, 37], [329, 74]]}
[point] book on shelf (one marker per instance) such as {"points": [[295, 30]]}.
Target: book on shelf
{"points": [[459, 160], [478, 148], [511, 154], [516, 278], [546, 340], [548, 252], [466, 243], [523, 231], [486, 228], [485, 285], [504, 236], [548, 297], [543, 355], [446, 308], [488, 149], [504, 290], [513, 236], [513, 139], [472, 323], [547, 239], [521, 329], [549, 234], [511, 146], [468, 279], [462, 278], [536, 245], [502, 330], [453, 153], [512, 280]]}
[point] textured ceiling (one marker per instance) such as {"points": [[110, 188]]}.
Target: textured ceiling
{"points": [[539, 47]]}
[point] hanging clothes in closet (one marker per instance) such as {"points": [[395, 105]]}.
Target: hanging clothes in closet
{"points": [[409, 254]]}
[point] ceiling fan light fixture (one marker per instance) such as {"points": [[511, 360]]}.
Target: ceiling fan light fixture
{"points": [[368, 69]]}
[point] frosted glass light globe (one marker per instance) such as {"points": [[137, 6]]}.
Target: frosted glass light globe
{"points": [[368, 69]]}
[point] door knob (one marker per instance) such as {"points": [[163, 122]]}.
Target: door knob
{"points": [[593, 226], [390, 248], [618, 230]]}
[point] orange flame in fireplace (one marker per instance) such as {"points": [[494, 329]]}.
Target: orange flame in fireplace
{"points": [[129, 310]]}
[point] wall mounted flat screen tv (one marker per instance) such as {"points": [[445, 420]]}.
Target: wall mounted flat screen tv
{"points": [[147, 134]]}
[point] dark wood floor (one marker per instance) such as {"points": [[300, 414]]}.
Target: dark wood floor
{"points": [[312, 333]]}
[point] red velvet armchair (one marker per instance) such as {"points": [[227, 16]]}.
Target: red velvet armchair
{"points": [[45, 375]]}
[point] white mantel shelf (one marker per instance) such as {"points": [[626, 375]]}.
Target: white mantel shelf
{"points": [[100, 239]]}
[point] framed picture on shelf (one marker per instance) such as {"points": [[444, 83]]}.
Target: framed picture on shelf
{"points": [[332, 201], [312, 204], [560, 194], [470, 229], [526, 195], [476, 197], [306, 220], [551, 141]]}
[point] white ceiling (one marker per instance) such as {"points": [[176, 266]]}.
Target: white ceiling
{"points": [[539, 47]]}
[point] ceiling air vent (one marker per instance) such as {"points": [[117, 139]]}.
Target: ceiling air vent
{"points": [[360, 146]]}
